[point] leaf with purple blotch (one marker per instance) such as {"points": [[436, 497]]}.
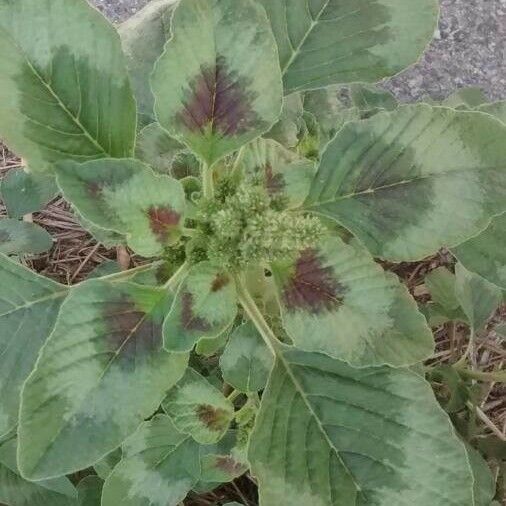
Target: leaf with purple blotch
{"points": [[100, 374], [198, 408], [284, 174], [335, 299], [218, 85], [204, 307], [126, 196]]}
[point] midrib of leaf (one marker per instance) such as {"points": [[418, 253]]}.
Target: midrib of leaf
{"points": [[274, 345], [59, 102], [370, 191], [314, 22]]}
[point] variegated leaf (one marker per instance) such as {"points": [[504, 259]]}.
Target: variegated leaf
{"points": [[25, 192], [284, 174], [143, 37], [286, 130], [16, 491], [101, 372], [335, 299], [127, 197], [23, 238], [205, 306], [29, 305], [64, 84], [410, 181], [478, 298], [198, 408], [160, 465], [329, 434], [485, 254], [246, 361], [324, 42], [218, 83]]}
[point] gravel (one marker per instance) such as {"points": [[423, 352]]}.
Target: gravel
{"points": [[469, 49]]}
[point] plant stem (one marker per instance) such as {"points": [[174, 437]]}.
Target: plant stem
{"points": [[207, 181], [177, 277], [256, 316], [496, 376], [233, 395]]}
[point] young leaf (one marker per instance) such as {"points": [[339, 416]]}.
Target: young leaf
{"points": [[324, 42], [157, 148], [159, 467], [484, 483], [89, 491], [65, 92], [246, 361], [16, 491], [143, 37], [198, 408], [218, 84], [127, 197], [282, 172], [478, 298], [23, 238], [371, 99], [286, 130], [205, 306], [335, 299], [29, 305], [441, 284], [333, 435], [485, 254], [101, 372], [25, 192], [379, 179]]}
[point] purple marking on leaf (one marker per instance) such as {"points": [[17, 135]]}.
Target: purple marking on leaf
{"points": [[312, 287], [221, 98], [163, 221], [130, 329], [220, 281], [229, 465], [215, 419], [189, 320], [274, 183], [4, 236], [94, 189]]}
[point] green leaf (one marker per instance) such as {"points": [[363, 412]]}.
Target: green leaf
{"points": [[485, 254], [65, 92], [478, 298], [16, 491], [466, 98], [441, 284], [218, 83], [333, 435], [496, 109], [246, 361], [127, 197], [205, 306], [330, 113], [101, 372], [335, 299], [484, 482], [143, 37], [105, 466], [159, 467], [284, 174], [157, 148], [105, 269], [25, 192], [89, 491], [29, 305], [379, 179], [286, 130], [324, 42], [198, 408], [21, 237], [371, 99]]}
